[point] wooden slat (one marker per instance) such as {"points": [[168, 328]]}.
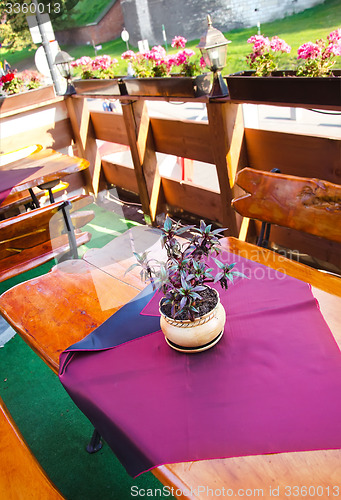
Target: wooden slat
{"points": [[192, 198], [109, 127], [186, 139], [309, 205], [120, 175], [226, 139], [143, 153], [86, 141], [294, 154]]}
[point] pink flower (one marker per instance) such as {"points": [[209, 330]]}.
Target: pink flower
{"points": [[334, 48], [83, 61], [129, 54], [260, 43], [156, 53], [179, 42], [102, 62], [334, 36], [309, 50], [279, 45], [202, 63]]}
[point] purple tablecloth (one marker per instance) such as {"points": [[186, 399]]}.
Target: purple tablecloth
{"points": [[272, 384]]}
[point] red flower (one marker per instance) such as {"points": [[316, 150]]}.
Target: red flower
{"points": [[7, 78]]}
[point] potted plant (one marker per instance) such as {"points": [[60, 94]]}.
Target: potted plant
{"points": [[192, 316], [18, 90], [97, 76], [151, 72], [313, 82]]}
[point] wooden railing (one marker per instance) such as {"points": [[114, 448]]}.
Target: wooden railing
{"points": [[221, 141]]}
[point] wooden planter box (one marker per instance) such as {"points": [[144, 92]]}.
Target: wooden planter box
{"points": [[293, 89], [99, 87], [24, 99], [173, 86]]}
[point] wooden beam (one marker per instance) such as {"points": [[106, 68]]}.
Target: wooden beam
{"points": [[142, 149], [86, 141], [226, 138]]}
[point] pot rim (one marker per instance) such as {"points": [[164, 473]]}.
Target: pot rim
{"points": [[187, 323]]}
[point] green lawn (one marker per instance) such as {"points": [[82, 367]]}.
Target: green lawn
{"points": [[297, 29]]}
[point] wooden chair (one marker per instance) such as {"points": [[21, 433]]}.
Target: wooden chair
{"points": [[33, 238], [309, 205], [21, 475]]}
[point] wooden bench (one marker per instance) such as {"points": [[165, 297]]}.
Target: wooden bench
{"points": [[20, 202], [21, 475], [309, 205], [33, 238]]}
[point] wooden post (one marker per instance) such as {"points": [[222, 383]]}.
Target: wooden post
{"points": [[226, 135], [86, 141], [142, 149]]}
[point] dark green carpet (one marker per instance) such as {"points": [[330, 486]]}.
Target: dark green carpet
{"points": [[54, 428]]}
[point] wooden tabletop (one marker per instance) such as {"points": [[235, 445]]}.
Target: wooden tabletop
{"points": [[53, 166]]}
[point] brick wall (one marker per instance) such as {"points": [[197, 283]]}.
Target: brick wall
{"points": [[108, 28]]}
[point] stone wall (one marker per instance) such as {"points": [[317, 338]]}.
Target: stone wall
{"points": [[108, 27], [144, 18]]}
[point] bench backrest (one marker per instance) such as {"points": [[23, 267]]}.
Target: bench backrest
{"points": [[305, 204], [43, 233]]}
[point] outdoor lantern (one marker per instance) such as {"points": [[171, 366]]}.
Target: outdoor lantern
{"points": [[62, 61], [213, 47]]}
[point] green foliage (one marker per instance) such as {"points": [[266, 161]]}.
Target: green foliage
{"points": [[14, 34]]}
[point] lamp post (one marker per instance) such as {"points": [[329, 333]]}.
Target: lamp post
{"points": [[213, 47], [46, 45], [62, 61]]}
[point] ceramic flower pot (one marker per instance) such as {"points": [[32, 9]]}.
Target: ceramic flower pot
{"points": [[194, 336], [29, 98], [173, 86], [100, 87], [285, 87]]}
